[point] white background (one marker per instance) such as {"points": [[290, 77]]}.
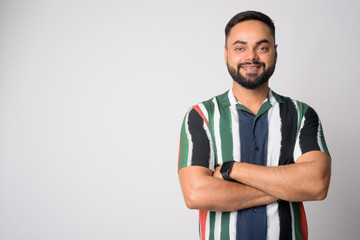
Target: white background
{"points": [[93, 93]]}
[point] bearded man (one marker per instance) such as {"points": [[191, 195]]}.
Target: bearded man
{"points": [[250, 157]]}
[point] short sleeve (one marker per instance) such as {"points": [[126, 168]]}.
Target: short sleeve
{"points": [[195, 147], [311, 135]]}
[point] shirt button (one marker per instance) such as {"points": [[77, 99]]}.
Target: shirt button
{"points": [[256, 148], [254, 210]]}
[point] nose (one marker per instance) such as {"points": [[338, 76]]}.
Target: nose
{"points": [[252, 55]]}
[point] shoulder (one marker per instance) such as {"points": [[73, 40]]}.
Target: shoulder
{"points": [[208, 107], [300, 107], [221, 99]]}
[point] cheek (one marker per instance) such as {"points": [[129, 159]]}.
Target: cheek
{"points": [[270, 60], [234, 59]]}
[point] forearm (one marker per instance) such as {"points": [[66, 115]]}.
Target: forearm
{"points": [[303, 181], [206, 192]]}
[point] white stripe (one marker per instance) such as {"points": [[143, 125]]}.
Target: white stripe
{"points": [[235, 133], [292, 221], [272, 98], [235, 127], [190, 143], [273, 155], [297, 110], [297, 149], [232, 225], [212, 154], [207, 229], [217, 230], [204, 111], [273, 221], [236, 154], [232, 98], [217, 132], [274, 135]]}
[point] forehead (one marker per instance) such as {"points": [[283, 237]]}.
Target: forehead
{"points": [[250, 31]]}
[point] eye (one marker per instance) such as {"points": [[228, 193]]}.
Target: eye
{"points": [[239, 49], [263, 49]]}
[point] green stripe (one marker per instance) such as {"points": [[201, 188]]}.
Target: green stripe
{"points": [[184, 145], [264, 107], [212, 226], [226, 135], [225, 223], [277, 97], [209, 106], [242, 107], [297, 226]]}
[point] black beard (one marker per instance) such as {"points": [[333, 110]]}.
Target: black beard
{"points": [[250, 82]]}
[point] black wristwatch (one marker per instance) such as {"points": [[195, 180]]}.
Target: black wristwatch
{"points": [[226, 169]]}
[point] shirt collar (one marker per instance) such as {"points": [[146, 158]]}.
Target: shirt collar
{"points": [[231, 100]]}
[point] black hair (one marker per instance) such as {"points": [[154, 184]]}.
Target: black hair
{"points": [[249, 15]]}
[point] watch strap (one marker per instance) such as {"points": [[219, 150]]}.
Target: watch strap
{"points": [[226, 169]]}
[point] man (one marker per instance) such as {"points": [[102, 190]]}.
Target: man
{"points": [[250, 157]]}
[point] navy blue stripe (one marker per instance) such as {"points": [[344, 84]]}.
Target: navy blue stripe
{"points": [[252, 222]]}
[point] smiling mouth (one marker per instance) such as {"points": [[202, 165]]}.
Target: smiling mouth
{"points": [[251, 69], [251, 66]]}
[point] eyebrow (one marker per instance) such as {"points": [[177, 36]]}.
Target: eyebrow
{"points": [[258, 43], [262, 41]]}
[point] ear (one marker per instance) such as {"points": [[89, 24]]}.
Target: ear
{"points": [[225, 54], [276, 54]]}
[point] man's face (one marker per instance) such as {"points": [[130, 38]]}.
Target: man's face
{"points": [[250, 54]]}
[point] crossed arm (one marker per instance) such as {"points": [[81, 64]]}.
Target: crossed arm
{"points": [[307, 179]]}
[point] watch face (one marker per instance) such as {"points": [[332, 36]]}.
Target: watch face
{"points": [[226, 169], [227, 166]]}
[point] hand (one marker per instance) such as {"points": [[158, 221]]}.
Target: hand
{"points": [[217, 173]]}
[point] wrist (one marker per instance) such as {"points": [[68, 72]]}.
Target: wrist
{"points": [[238, 172], [226, 170]]}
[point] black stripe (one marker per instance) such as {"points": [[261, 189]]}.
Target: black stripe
{"points": [[309, 132], [201, 143], [289, 122]]}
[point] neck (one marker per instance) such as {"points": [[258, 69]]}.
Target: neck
{"points": [[251, 98]]}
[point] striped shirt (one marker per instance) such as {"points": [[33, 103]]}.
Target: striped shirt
{"points": [[222, 129]]}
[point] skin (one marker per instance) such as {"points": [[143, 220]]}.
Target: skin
{"points": [[204, 191], [250, 41], [307, 179]]}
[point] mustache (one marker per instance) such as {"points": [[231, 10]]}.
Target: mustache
{"points": [[250, 63]]}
